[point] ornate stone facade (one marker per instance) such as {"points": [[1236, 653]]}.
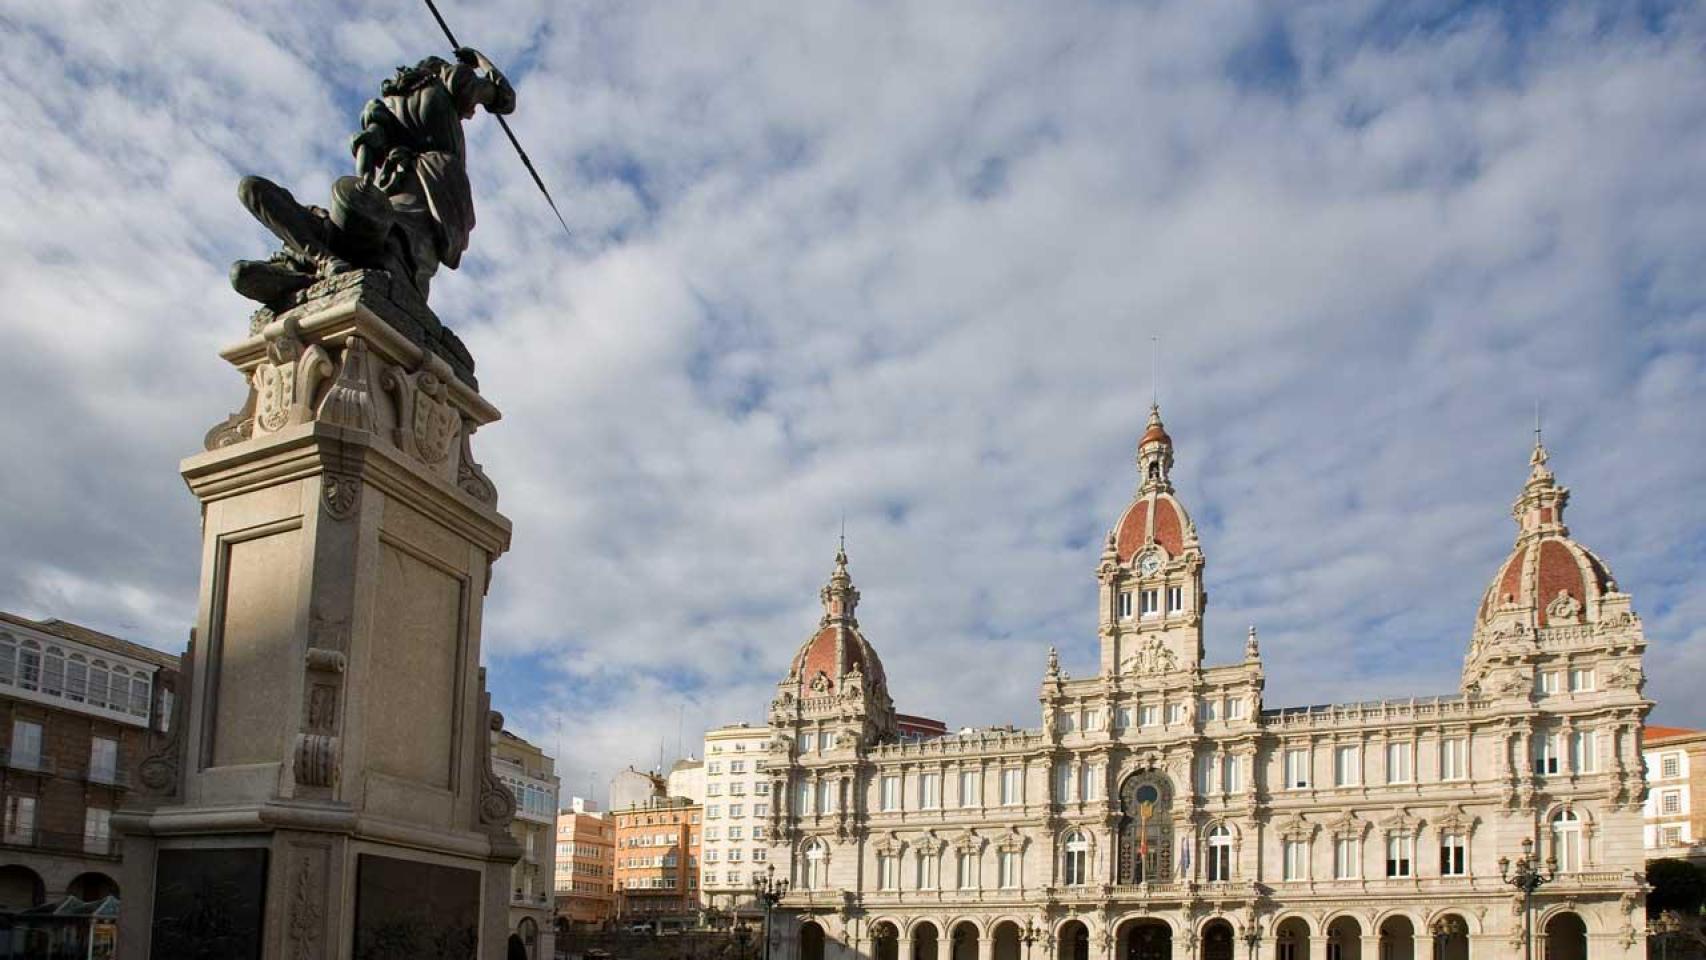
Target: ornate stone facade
{"points": [[1162, 809]]}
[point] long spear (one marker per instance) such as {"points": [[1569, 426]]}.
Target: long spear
{"points": [[507, 131]]}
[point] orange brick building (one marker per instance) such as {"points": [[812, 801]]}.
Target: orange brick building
{"points": [[657, 864], [586, 867]]}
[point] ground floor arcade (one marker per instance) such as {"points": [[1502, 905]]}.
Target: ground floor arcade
{"points": [[1487, 930]]}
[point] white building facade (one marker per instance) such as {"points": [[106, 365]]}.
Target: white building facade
{"points": [[735, 848], [1163, 809]]}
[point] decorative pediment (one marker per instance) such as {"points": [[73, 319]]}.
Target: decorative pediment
{"points": [[1399, 821], [968, 842], [1455, 820], [1012, 841], [1296, 827], [1626, 677], [1563, 607], [1348, 826], [889, 843], [929, 843], [820, 682]]}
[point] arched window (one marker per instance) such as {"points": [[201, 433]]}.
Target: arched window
{"points": [[1567, 841], [1076, 858], [1219, 854], [8, 659], [53, 672], [98, 678], [29, 666], [118, 690], [816, 874], [76, 678]]}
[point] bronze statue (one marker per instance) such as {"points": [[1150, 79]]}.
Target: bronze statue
{"points": [[408, 208]]}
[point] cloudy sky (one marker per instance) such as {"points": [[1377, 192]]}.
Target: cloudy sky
{"points": [[902, 264]]}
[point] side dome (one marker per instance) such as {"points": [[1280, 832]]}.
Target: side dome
{"points": [[1549, 580]]}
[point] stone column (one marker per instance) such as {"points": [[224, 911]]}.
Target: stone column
{"points": [[985, 948], [1370, 946], [329, 769], [1318, 947]]}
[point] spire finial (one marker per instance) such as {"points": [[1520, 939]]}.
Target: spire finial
{"points": [[1251, 650], [841, 547], [1154, 373]]}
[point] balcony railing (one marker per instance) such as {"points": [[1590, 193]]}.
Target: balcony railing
{"points": [[49, 841]]}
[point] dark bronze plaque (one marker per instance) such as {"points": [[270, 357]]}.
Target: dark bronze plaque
{"points": [[210, 904], [408, 910]]}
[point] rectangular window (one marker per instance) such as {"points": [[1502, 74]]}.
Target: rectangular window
{"points": [[1011, 791], [1233, 769], [1009, 866], [971, 788], [808, 742], [1345, 859], [1297, 769], [1209, 711], [890, 793], [1175, 599], [1547, 681], [1148, 716], [927, 871], [1546, 760], [759, 854], [20, 819], [1175, 713], [712, 856], [1125, 604], [1670, 801], [1398, 765], [8, 663], [761, 809], [26, 744], [735, 766], [1206, 770], [802, 801], [713, 790], [29, 671], [762, 788], [1092, 720], [1149, 603], [888, 872], [826, 796], [1453, 759], [1583, 755], [965, 870], [1347, 766], [1398, 848], [737, 789], [1453, 855], [1671, 836], [829, 741], [1063, 783], [736, 833], [76, 680], [53, 673], [930, 791], [1670, 765], [1296, 866], [1235, 708], [1581, 680], [714, 767], [1122, 718], [1091, 789], [103, 760]]}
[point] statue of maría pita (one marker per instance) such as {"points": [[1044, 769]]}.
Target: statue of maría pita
{"points": [[408, 208]]}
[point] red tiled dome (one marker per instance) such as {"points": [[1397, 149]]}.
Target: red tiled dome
{"points": [[834, 650], [1537, 573], [1136, 527]]}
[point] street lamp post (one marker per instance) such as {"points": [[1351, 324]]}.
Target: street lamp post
{"points": [[1444, 929], [1252, 937], [1527, 878], [770, 892]]}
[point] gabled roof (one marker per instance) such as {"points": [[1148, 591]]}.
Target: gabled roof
{"points": [[77, 633]]}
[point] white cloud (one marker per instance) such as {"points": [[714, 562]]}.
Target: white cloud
{"points": [[903, 263]]}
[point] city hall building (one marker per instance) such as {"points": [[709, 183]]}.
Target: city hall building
{"points": [[1164, 810]]}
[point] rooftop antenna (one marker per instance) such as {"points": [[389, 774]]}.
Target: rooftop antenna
{"points": [[1154, 371], [843, 531], [1537, 423]]}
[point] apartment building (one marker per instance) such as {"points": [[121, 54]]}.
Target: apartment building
{"points": [[80, 709], [1676, 776], [586, 866], [531, 776], [737, 817], [657, 864]]}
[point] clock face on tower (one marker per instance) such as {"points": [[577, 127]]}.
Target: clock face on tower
{"points": [[1150, 563]]}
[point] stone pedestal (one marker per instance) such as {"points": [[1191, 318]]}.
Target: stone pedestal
{"points": [[328, 786]]}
